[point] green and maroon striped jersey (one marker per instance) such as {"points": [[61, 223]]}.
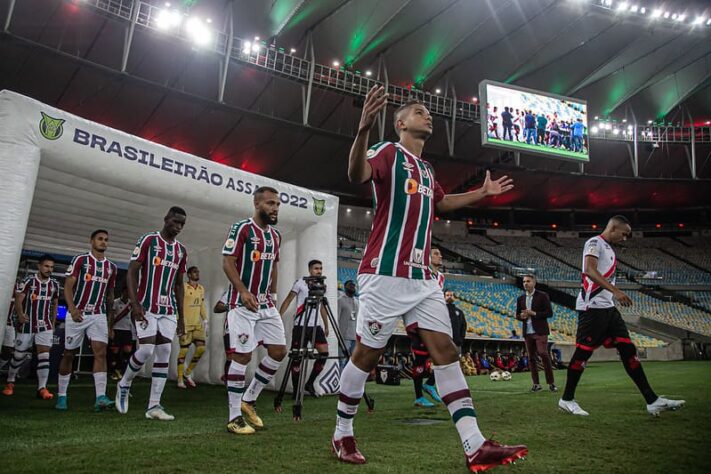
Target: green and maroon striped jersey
{"points": [[161, 263], [257, 253], [39, 296], [404, 196], [94, 279]]}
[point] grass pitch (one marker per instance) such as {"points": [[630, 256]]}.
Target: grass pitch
{"points": [[618, 436], [582, 157]]}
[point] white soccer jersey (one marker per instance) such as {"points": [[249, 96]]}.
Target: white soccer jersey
{"points": [[302, 292], [592, 295]]}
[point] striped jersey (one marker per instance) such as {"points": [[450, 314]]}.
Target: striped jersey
{"points": [[301, 290], [404, 196], [122, 315], [161, 263], [94, 279], [257, 252], [39, 296], [439, 276], [592, 295]]}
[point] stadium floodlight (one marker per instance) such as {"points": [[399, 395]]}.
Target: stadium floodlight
{"points": [[643, 10], [198, 32], [674, 16], [475, 100], [634, 8], [594, 130], [681, 17], [168, 19], [708, 22], [438, 91], [630, 127], [622, 7], [699, 20], [292, 50], [596, 117], [666, 14], [615, 131], [336, 64], [247, 48], [368, 73], [348, 209], [255, 47], [649, 122], [657, 13], [624, 120]]}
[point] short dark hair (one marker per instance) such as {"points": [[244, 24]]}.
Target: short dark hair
{"points": [[315, 262], [349, 282], [190, 269], [402, 108], [97, 232], [45, 257], [264, 189], [530, 275], [175, 210], [620, 218], [448, 289]]}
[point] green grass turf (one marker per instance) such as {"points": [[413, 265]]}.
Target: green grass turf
{"points": [[619, 436], [541, 149]]}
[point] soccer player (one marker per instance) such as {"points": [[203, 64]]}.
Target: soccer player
{"points": [[36, 302], [300, 291], [250, 258], [89, 293], [121, 335], [419, 351], [195, 327], [155, 288], [600, 323], [395, 279]]}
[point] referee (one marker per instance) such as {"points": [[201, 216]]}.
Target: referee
{"points": [[599, 322]]}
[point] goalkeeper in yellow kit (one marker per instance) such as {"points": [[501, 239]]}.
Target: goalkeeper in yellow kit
{"points": [[195, 327]]}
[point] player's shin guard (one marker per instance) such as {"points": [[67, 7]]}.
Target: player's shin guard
{"points": [[15, 363], [135, 363], [99, 383], [352, 387], [319, 364], [575, 370], [264, 373], [160, 373], [455, 394], [235, 388], [181, 361], [199, 351], [628, 354], [42, 369]]}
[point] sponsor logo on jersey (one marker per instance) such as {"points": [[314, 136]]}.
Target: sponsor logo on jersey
{"points": [[255, 240], [370, 153], [319, 206], [51, 128], [412, 187], [374, 327], [243, 338], [158, 262], [257, 256], [407, 166]]}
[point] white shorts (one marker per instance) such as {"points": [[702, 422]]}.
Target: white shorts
{"points": [[93, 325], [9, 338], [244, 329], [23, 342], [385, 299], [157, 323]]}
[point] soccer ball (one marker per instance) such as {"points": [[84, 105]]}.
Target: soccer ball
{"points": [[495, 376], [506, 376]]}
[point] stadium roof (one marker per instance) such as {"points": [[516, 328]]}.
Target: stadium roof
{"points": [[68, 54]]}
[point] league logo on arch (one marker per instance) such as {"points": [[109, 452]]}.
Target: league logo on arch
{"points": [[51, 128], [319, 206]]}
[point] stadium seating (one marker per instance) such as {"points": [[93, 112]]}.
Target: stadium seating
{"points": [[672, 313]]}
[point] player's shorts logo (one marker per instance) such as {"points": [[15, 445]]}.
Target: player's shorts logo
{"points": [[374, 327], [51, 128], [143, 324], [243, 338], [383, 375], [319, 206], [69, 339], [256, 255]]}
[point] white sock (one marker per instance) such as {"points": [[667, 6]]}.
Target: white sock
{"points": [[235, 388], [100, 383], [264, 373], [63, 384], [135, 363], [42, 369], [18, 358], [160, 373], [352, 387], [455, 394]]}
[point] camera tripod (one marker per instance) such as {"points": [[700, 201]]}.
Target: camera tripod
{"points": [[305, 351]]}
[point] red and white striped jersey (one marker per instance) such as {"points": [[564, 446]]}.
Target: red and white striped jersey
{"points": [[161, 263], [404, 196], [592, 295], [94, 279], [39, 297], [257, 253]]}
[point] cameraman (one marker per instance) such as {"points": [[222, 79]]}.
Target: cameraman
{"points": [[300, 291]]}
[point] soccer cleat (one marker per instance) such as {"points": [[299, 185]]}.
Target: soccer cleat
{"points": [[422, 402], [103, 403], [492, 454], [61, 403], [9, 389], [432, 392], [121, 400], [250, 413], [346, 450], [552, 387], [156, 412], [536, 388], [189, 381], [664, 404], [311, 390], [239, 426], [116, 375], [44, 394], [571, 407], [181, 384]]}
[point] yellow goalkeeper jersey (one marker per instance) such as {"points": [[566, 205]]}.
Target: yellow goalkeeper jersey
{"points": [[194, 305]]}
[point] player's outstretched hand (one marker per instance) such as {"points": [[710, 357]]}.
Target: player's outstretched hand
{"points": [[249, 301], [76, 315], [622, 298], [375, 100], [498, 186]]}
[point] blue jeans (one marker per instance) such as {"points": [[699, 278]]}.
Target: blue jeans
{"points": [[531, 133], [578, 144], [350, 344]]}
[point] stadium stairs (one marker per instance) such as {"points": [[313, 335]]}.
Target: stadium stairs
{"points": [[686, 261]]}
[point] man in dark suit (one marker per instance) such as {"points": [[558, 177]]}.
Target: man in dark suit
{"points": [[533, 308]]}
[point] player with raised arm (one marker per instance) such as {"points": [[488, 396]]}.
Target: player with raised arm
{"points": [[89, 293], [396, 281], [600, 323], [155, 288], [250, 258]]}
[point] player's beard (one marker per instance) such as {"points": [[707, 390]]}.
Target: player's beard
{"points": [[267, 218]]}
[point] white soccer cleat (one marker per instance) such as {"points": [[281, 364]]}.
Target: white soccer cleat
{"points": [[181, 384], [121, 401], [158, 413], [189, 382], [571, 407], [664, 404]]}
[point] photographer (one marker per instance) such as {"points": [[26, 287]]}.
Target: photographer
{"points": [[300, 291]]}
